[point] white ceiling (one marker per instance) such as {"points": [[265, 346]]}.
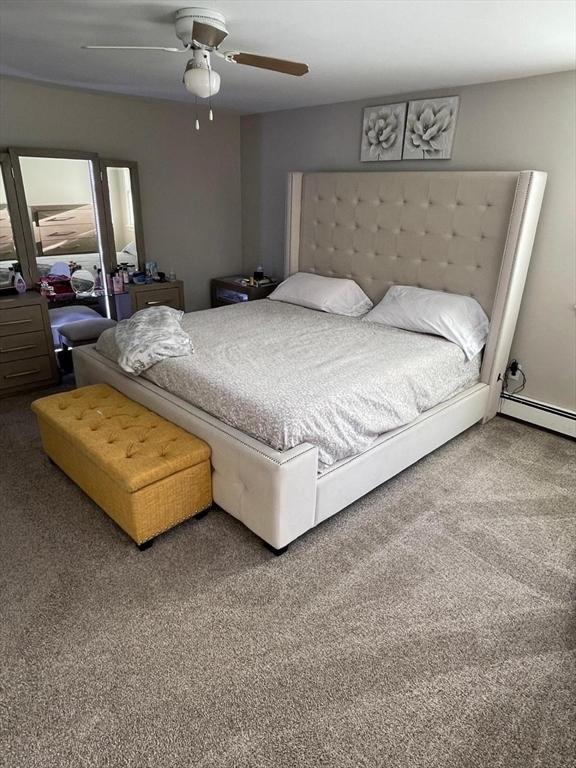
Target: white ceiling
{"points": [[355, 50]]}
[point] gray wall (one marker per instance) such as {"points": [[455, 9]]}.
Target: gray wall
{"points": [[192, 198], [190, 180], [511, 125]]}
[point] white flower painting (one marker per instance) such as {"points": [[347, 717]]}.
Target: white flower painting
{"points": [[430, 129], [383, 132]]}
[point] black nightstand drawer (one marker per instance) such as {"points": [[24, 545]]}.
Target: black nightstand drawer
{"points": [[227, 296], [230, 290]]}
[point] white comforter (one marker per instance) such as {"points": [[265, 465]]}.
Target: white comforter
{"points": [[289, 375]]}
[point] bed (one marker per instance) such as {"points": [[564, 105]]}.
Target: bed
{"points": [[288, 375], [463, 232]]}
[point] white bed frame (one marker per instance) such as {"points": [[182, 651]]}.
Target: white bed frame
{"points": [[464, 232]]}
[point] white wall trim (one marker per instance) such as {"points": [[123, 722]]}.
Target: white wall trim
{"points": [[539, 413]]}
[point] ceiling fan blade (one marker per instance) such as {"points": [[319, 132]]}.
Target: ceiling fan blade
{"points": [[265, 62], [133, 48], [204, 34]]}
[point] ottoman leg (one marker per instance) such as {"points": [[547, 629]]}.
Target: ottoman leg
{"points": [[145, 545]]}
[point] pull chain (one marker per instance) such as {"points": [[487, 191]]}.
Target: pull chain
{"points": [[196, 112], [210, 113]]}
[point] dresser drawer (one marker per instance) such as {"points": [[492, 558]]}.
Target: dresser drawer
{"points": [[21, 346], [19, 372], [167, 297], [16, 320]]}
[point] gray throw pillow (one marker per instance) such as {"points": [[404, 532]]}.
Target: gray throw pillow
{"points": [[149, 336]]}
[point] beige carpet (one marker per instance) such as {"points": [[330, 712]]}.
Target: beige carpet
{"points": [[430, 625]]}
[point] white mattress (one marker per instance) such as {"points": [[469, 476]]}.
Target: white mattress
{"points": [[288, 375]]}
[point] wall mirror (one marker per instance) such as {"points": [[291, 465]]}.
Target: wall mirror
{"points": [[122, 209], [61, 205], [78, 211], [12, 248], [62, 212]]}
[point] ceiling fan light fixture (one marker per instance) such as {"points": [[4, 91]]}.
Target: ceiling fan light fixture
{"points": [[202, 31], [201, 82], [199, 77]]}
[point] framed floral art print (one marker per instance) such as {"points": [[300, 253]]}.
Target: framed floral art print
{"points": [[383, 132], [430, 127]]}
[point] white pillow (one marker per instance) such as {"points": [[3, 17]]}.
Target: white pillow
{"points": [[328, 294], [457, 318]]}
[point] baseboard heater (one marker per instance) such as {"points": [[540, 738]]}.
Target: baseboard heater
{"points": [[540, 414]]}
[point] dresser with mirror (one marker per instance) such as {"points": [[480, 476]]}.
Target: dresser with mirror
{"points": [[67, 221], [78, 209]]}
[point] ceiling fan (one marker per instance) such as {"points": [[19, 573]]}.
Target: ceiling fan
{"points": [[202, 32]]}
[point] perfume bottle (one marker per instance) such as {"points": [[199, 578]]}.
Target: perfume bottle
{"points": [[19, 283], [117, 282], [259, 273], [98, 280]]}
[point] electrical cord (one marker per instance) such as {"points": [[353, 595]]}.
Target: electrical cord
{"points": [[514, 369]]}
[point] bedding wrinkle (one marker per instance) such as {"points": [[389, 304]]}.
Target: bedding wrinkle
{"points": [[288, 375]]}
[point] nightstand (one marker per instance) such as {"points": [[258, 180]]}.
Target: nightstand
{"points": [[230, 290], [142, 296]]}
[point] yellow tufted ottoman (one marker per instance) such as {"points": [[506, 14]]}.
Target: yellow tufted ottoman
{"points": [[145, 472]]}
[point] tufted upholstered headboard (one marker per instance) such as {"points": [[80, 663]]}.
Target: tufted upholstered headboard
{"points": [[466, 232]]}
